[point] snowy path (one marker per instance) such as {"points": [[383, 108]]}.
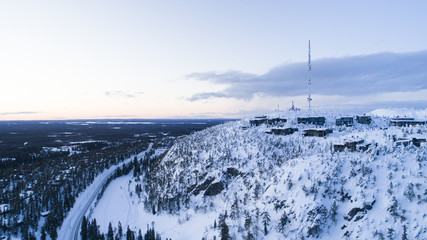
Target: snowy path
{"points": [[70, 229]]}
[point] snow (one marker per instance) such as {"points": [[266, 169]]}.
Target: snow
{"points": [[45, 213], [4, 207], [299, 176], [118, 205], [401, 112], [66, 231]]}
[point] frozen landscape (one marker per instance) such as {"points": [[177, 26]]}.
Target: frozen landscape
{"points": [[213, 120], [52, 172], [267, 186]]}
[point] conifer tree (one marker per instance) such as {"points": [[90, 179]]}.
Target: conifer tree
{"points": [[53, 233], [43, 234], [129, 234], [283, 222], [135, 167], [120, 230], [248, 221], [225, 235], [266, 221], [334, 209], [390, 233], [250, 236], [110, 234], [224, 230], [139, 235], [405, 233], [83, 231], [235, 213]]}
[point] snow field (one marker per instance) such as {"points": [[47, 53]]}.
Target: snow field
{"points": [[375, 194], [117, 204], [67, 229]]}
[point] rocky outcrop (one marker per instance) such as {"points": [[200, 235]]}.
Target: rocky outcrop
{"points": [[214, 189], [358, 213]]}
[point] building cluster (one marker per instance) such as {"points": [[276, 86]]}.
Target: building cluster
{"points": [[257, 121], [283, 131], [277, 128], [318, 121], [416, 141], [404, 121], [352, 145], [342, 121], [316, 132], [312, 120], [364, 119], [347, 121]]}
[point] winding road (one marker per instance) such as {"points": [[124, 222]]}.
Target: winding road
{"points": [[70, 229], [78, 220]]}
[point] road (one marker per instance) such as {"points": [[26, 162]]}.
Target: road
{"points": [[70, 229], [78, 220]]}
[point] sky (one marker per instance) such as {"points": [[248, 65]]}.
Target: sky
{"points": [[208, 59]]}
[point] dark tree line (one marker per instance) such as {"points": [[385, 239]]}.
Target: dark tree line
{"points": [[90, 231]]}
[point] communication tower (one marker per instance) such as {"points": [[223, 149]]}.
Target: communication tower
{"points": [[309, 80]]}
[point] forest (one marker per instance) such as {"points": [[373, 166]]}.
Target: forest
{"points": [[39, 187]]}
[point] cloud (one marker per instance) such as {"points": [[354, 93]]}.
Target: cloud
{"points": [[125, 94], [228, 77], [206, 95], [350, 76], [16, 113], [369, 106]]}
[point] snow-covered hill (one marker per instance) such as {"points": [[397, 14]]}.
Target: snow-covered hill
{"points": [[266, 186], [407, 112]]}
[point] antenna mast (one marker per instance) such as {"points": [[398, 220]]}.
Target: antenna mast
{"points": [[309, 80]]}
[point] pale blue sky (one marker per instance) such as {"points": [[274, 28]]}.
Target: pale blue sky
{"points": [[145, 59]]}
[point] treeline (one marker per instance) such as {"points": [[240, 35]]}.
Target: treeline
{"points": [[90, 231]]}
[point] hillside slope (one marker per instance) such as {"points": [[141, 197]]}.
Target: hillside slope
{"points": [[266, 186]]}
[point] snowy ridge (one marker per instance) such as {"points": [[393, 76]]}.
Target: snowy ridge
{"points": [[293, 187], [407, 112]]}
